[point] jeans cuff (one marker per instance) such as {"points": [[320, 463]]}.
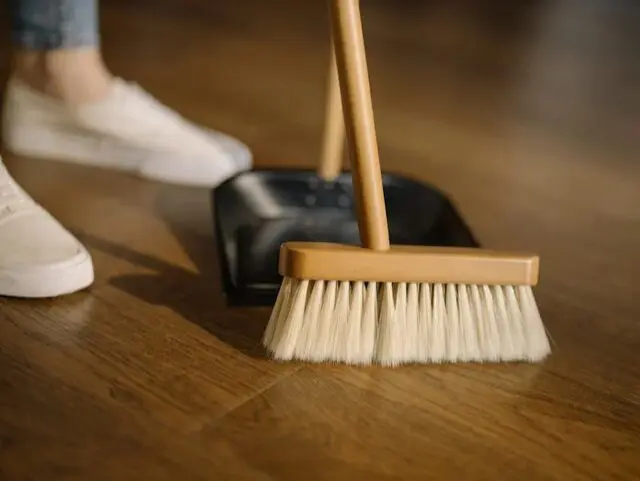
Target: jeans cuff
{"points": [[54, 40]]}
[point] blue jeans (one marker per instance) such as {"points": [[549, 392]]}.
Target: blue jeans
{"points": [[54, 24]]}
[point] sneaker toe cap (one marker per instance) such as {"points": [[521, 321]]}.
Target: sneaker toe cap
{"points": [[35, 241], [191, 170], [238, 152]]}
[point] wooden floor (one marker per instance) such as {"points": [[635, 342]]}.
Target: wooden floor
{"points": [[528, 115]]}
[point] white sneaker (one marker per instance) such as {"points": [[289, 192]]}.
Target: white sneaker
{"points": [[128, 130], [38, 257]]}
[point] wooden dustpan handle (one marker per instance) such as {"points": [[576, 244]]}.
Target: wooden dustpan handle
{"points": [[333, 140], [353, 73]]}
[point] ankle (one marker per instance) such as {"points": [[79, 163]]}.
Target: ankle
{"points": [[74, 76]]}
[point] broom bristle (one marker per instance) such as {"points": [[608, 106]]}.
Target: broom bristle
{"points": [[391, 324]]}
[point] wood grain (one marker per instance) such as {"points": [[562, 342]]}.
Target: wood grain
{"points": [[527, 113]]}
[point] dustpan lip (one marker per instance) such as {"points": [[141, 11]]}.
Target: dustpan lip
{"points": [[389, 178]]}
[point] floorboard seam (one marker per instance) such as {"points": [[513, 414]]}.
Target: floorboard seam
{"points": [[218, 418]]}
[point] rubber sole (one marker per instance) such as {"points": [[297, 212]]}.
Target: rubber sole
{"points": [[48, 281], [85, 148]]}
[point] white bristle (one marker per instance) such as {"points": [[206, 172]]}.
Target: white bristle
{"points": [[477, 317], [452, 324], [424, 321], [322, 351], [535, 334], [389, 348], [400, 317], [311, 328], [340, 341], [469, 340], [353, 339], [412, 314], [491, 324], [369, 324], [355, 323], [516, 319], [288, 334], [511, 336], [437, 329], [278, 315]]}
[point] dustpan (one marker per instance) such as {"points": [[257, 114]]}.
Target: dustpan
{"points": [[255, 212]]}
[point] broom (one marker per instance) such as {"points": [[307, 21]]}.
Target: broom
{"points": [[396, 304]]}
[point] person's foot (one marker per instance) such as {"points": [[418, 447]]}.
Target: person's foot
{"points": [[127, 129], [38, 257]]}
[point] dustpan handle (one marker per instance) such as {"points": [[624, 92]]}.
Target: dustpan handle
{"points": [[352, 70]]}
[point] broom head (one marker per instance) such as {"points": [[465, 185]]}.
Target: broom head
{"points": [[408, 304]]}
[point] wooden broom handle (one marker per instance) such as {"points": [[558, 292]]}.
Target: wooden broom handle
{"points": [[333, 140], [355, 91]]}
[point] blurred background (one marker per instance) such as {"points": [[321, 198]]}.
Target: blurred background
{"points": [[526, 112], [452, 80]]}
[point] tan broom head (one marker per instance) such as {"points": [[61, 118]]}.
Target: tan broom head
{"points": [[411, 264]]}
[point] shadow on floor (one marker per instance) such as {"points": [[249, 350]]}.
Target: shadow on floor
{"points": [[195, 296]]}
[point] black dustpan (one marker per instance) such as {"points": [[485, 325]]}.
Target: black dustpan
{"points": [[255, 212]]}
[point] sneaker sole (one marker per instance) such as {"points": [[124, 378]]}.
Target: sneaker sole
{"points": [[71, 147], [48, 281], [90, 150]]}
